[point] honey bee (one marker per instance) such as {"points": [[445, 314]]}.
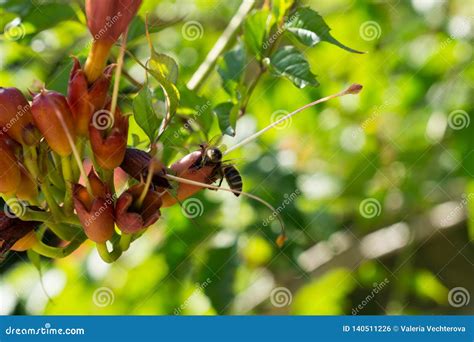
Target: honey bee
{"points": [[212, 156]]}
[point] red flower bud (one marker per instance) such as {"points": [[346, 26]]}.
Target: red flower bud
{"points": [[95, 213], [132, 217], [10, 175], [15, 233], [48, 107], [85, 99], [183, 169], [16, 118], [107, 20], [108, 136]]}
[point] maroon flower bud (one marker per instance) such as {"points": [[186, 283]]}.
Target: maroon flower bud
{"points": [[16, 234], [51, 112], [107, 20], [108, 136], [85, 99], [132, 216], [10, 175], [16, 118], [95, 213], [137, 163]]}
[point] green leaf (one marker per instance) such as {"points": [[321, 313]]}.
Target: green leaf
{"points": [[226, 113], [165, 70], [231, 68], [292, 64], [255, 32], [145, 115], [280, 7], [310, 28]]}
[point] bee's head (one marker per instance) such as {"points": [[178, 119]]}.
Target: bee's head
{"points": [[214, 155]]}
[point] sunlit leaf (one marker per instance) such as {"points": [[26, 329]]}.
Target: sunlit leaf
{"points": [[310, 28], [255, 32]]}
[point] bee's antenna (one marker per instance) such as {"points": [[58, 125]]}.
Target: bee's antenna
{"points": [[281, 238], [353, 89]]}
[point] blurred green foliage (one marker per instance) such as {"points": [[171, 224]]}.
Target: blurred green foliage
{"points": [[397, 142]]}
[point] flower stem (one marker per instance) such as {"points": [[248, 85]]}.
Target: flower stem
{"points": [[69, 179], [52, 205], [104, 253], [125, 240], [59, 252]]}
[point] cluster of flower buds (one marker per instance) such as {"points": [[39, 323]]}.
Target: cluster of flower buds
{"points": [[47, 143]]}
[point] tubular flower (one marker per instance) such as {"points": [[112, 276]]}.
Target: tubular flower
{"points": [[183, 168], [108, 136], [10, 175], [95, 213], [84, 99], [132, 216], [107, 20], [16, 118], [50, 111], [16, 234], [137, 164]]}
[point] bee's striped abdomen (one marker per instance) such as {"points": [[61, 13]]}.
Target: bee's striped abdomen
{"points": [[233, 178]]}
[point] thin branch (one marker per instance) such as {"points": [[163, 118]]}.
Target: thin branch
{"points": [[353, 89], [222, 43]]}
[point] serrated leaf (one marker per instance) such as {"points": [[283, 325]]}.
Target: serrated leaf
{"points": [[310, 28], [290, 63], [231, 67], [226, 113], [144, 113], [255, 32]]}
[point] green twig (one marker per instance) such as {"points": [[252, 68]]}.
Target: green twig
{"points": [[107, 256]]}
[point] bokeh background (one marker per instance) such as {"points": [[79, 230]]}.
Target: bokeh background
{"points": [[375, 189]]}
